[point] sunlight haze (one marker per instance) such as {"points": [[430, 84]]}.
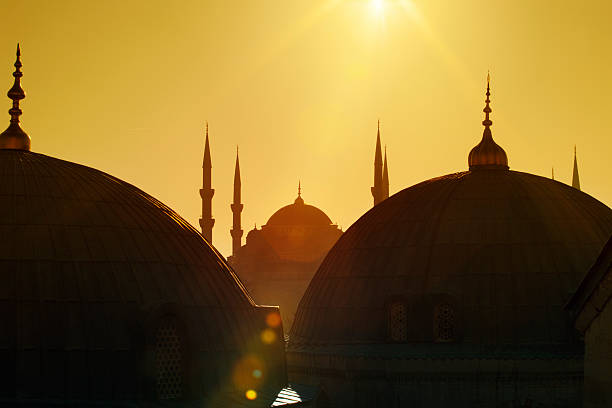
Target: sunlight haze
{"points": [[127, 86]]}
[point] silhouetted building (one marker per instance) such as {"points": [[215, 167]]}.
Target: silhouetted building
{"points": [[279, 259], [451, 293], [110, 298], [592, 307]]}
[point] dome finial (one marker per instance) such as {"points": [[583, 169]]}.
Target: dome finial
{"points": [[487, 109], [299, 199], [14, 137], [487, 154]]}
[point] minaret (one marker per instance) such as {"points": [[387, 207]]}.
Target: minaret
{"points": [[575, 176], [377, 190], [236, 206], [385, 178], [14, 137], [207, 192]]}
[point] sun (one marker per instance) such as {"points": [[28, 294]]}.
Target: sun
{"points": [[377, 6]]}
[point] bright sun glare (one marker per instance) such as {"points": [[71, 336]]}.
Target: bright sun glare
{"points": [[377, 5]]}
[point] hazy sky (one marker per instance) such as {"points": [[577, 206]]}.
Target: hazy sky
{"points": [[126, 87]]}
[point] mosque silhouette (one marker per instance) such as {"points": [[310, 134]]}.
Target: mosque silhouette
{"points": [[483, 288]]}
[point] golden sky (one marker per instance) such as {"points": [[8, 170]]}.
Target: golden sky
{"points": [[126, 87]]}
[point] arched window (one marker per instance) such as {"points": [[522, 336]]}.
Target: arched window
{"points": [[169, 361], [444, 323], [398, 321]]}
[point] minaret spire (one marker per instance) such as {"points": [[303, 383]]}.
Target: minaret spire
{"points": [[575, 176], [207, 192], [14, 137], [385, 178], [236, 231], [377, 189]]}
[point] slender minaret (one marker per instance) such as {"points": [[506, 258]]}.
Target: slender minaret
{"points": [[207, 192], [236, 206], [385, 178], [377, 190], [14, 137], [553, 173], [575, 176]]}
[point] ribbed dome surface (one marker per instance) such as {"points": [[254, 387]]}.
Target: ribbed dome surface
{"points": [[487, 154], [506, 248], [299, 213], [88, 265]]}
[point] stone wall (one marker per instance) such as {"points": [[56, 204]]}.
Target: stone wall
{"points": [[362, 382]]}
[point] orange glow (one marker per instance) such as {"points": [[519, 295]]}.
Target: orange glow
{"points": [[273, 319], [251, 395], [268, 336], [299, 86]]}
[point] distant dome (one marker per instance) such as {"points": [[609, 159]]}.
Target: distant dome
{"points": [[109, 294], [500, 251], [299, 213]]}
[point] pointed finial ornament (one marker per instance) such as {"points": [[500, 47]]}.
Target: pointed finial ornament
{"points": [[488, 154], [14, 137], [299, 199]]}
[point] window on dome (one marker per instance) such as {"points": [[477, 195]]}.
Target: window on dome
{"points": [[169, 361], [444, 324], [398, 321]]}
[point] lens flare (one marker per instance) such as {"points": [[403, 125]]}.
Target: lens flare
{"points": [[250, 395], [257, 373], [268, 336], [273, 319]]}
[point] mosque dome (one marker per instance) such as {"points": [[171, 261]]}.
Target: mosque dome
{"points": [[107, 294], [300, 214], [484, 257]]}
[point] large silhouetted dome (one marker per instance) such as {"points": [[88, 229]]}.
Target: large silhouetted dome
{"points": [[503, 250], [108, 294]]}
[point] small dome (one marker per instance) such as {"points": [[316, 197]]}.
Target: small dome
{"points": [[299, 213], [487, 154]]}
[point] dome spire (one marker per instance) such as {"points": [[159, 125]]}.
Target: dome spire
{"points": [[487, 154], [14, 137], [299, 199]]}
